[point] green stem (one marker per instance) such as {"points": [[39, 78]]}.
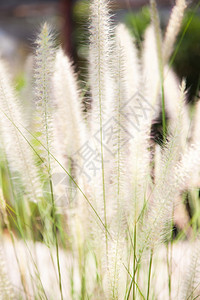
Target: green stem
{"points": [[135, 267], [134, 262], [149, 275], [56, 238]]}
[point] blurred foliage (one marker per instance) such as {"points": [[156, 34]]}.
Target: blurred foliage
{"points": [[20, 81], [137, 22], [187, 60]]}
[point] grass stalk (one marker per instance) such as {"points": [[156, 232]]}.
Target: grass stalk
{"points": [[56, 238], [134, 260], [149, 274]]}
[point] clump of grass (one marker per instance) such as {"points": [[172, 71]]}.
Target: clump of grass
{"points": [[95, 186]]}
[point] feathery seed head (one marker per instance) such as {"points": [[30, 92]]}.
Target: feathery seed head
{"points": [[173, 28]]}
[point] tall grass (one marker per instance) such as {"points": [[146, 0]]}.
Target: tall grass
{"points": [[89, 199]]}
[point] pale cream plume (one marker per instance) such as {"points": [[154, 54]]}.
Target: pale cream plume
{"points": [[173, 28], [151, 76], [17, 149]]}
